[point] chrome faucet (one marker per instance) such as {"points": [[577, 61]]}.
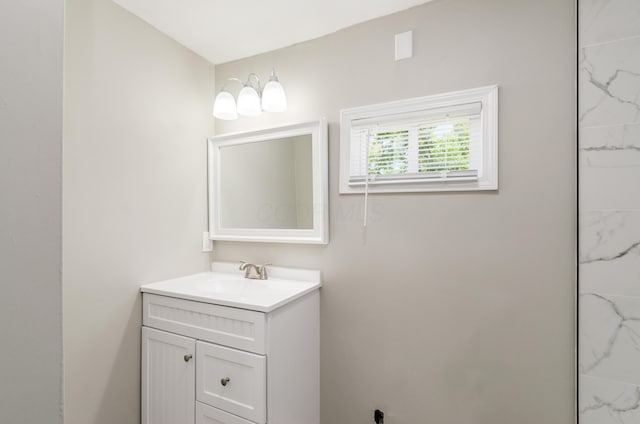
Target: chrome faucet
{"points": [[253, 271]]}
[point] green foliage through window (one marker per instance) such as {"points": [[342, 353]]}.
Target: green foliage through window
{"points": [[440, 147], [388, 153], [444, 147]]}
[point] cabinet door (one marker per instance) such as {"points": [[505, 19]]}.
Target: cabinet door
{"points": [[168, 378]]}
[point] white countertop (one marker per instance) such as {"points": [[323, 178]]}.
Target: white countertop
{"points": [[225, 285]]}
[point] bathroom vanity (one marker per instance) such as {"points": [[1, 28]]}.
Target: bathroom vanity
{"points": [[221, 349]]}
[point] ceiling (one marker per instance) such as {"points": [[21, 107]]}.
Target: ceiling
{"points": [[226, 30]]}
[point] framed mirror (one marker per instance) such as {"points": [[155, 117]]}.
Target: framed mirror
{"points": [[270, 185]]}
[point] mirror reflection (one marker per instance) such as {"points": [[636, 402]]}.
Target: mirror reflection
{"points": [[267, 184]]}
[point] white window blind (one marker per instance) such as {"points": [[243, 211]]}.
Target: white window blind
{"points": [[431, 145], [444, 142]]}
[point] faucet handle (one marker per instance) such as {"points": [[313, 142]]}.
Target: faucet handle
{"points": [[262, 270]]}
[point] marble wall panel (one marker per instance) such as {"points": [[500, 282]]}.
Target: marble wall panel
{"points": [[607, 236], [609, 209], [609, 84], [610, 252], [608, 402], [610, 147], [606, 20], [610, 337]]}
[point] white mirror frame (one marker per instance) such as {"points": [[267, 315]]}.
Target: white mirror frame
{"points": [[318, 234]]}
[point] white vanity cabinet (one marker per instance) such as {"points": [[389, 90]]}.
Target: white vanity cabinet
{"points": [[168, 376], [213, 353]]}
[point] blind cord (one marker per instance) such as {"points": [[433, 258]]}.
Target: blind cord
{"points": [[366, 182]]}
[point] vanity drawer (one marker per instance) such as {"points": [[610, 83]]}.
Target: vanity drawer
{"points": [[232, 380], [206, 414], [233, 327]]}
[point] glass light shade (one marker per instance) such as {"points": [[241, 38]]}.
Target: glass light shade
{"points": [[249, 102], [225, 106], [273, 97]]}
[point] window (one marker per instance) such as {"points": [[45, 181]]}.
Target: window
{"points": [[446, 142]]}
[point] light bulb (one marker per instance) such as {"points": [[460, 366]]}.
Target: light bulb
{"points": [[273, 97], [249, 102], [225, 106]]}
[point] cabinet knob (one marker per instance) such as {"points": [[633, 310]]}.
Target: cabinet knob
{"points": [[225, 381], [187, 357]]}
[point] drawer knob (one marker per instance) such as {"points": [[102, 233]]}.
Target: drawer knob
{"points": [[225, 381], [188, 357]]}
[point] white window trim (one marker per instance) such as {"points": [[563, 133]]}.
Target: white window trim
{"points": [[488, 96]]}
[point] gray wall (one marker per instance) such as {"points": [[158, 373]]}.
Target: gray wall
{"points": [[449, 307], [609, 211], [137, 114], [31, 41]]}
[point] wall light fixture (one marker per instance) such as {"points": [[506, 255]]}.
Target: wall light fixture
{"points": [[252, 99]]}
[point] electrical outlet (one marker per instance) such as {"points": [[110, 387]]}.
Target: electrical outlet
{"points": [[207, 243]]}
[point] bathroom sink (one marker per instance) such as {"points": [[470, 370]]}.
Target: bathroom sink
{"points": [[233, 287], [226, 286]]}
